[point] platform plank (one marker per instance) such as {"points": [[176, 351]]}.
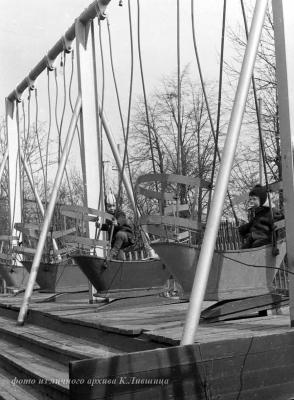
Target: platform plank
{"points": [[157, 319], [227, 358]]}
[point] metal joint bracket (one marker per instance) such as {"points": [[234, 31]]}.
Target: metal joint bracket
{"points": [[17, 96], [67, 45], [31, 83], [50, 63], [82, 32], [100, 14]]}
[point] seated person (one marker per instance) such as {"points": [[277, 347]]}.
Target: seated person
{"points": [[120, 233], [258, 231]]}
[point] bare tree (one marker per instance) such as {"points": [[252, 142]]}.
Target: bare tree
{"points": [[160, 139], [266, 90]]}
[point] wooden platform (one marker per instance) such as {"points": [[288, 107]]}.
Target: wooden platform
{"points": [[129, 348]]}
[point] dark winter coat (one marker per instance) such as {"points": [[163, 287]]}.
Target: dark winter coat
{"points": [[117, 228], [258, 231]]}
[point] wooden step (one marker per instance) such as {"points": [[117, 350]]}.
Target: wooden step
{"points": [[63, 323], [10, 390], [32, 371], [54, 345]]}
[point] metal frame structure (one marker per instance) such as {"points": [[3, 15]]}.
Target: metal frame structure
{"points": [[86, 110], [284, 43]]}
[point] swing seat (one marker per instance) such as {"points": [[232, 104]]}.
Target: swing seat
{"points": [[233, 273]]}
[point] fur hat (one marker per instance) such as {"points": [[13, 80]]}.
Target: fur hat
{"points": [[259, 191]]}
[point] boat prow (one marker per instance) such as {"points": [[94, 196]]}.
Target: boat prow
{"points": [[233, 273], [122, 275], [13, 277], [63, 276]]}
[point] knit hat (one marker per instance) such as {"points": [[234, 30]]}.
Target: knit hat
{"points": [[259, 191]]}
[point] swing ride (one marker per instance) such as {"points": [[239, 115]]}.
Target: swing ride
{"points": [[105, 343], [56, 270], [234, 273]]}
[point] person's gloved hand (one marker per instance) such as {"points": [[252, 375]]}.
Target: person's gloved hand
{"points": [[98, 223]]}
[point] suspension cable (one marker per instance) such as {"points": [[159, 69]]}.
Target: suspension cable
{"points": [[263, 154], [30, 146], [179, 152], [207, 104], [56, 116], [219, 94], [22, 171], [48, 134], [16, 168], [100, 128], [144, 89], [114, 79], [69, 94], [62, 64], [59, 126], [38, 139], [125, 158], [256, 103], [144, 92]]}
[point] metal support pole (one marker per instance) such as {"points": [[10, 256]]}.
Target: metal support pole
{"points": [[284, 44], [260, 161], [118, 159], [89, 123], [15, 203], [207, 249], [49, 212], [125, 178], [89, 120], [37, 197]]}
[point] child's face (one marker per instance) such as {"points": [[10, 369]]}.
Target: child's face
{"points": [[110, 208], [254, 201], [121, 220]]}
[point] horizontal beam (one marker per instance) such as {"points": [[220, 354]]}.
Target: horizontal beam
{"points": [[87, 15]]}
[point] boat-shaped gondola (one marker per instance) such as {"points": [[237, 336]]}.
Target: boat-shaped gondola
{"points": [[13, 276], [135, 273], [235, 273], [57, 272], [114, 275]]}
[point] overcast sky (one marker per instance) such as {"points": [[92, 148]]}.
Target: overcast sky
{"points": [[28, 29]]}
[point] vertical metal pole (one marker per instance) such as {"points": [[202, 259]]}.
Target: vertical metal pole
{"points": [[118, 159], [89, 119], [99, 131], [49, 212], [37, 197], [260, 161], [284, 43], [125, 178], [13, 165], [31, 182], [90, 139], [207, 248]]}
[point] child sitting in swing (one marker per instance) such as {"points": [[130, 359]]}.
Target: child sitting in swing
{"points": [[120, 233], [259, 230]]}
